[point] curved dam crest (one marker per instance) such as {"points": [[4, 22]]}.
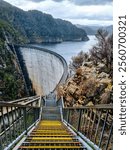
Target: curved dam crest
{"points": [[45, 68]]}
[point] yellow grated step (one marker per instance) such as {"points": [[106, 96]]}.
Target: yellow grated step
{"points": [[51, 123], [55, 129], [52, 138], [51, 131], [51, 135], [48, 142], [56, 125], [57, 147], [48, 135]]}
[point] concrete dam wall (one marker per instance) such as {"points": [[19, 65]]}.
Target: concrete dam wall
{"points": [[45, 68]]}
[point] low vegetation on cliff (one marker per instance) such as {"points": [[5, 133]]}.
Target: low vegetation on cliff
{"points": [[91, 82], [11, 81]]}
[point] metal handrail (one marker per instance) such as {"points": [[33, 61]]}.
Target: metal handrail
{"points": [[6, 104], [31, 101], [93, 123], [99, 106], [16, 120], [23, 99]]}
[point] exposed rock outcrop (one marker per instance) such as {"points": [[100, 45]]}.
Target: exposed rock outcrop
{"points": [[88, 86]]}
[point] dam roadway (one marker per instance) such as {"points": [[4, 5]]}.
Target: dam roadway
{"points": [[46, 69]]}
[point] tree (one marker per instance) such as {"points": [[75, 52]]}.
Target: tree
{"points": [[78, 60], [103, 51]]}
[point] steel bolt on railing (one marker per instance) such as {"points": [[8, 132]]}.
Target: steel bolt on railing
{"points": [[15, 120]]}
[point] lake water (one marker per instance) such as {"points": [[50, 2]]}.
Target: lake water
{"points": [[69, 49]]}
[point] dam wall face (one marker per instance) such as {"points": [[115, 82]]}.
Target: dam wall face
{"points": [[45, 69]]}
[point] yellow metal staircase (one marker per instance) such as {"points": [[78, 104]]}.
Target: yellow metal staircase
{"points": [[45, 123], [51, 134]]}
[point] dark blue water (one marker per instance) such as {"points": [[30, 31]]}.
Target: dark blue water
{"points": [[69, 49]]}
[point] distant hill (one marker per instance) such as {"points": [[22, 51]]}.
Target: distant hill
{"points": [[38, 27], [91, 30]]}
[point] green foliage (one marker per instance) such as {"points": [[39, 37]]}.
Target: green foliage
{"points": [[11, 83], [13, 35], [36, 26]]}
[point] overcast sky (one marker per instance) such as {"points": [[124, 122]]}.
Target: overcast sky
{"points": [[85, 12]]}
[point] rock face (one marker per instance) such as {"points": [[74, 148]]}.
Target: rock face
{"points": [[88, 86]]}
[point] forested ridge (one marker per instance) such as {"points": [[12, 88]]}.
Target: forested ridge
{"points": [[37, 27]]}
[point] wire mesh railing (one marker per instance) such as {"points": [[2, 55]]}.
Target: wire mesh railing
{"points": [[92, 122], [16, 120]]}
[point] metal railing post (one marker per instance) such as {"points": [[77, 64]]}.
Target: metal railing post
{"points": [[1, 144], [97, 126], [20, 120], [100, 141], [34, 114], [86, 120], [79, 120], [94, 119], [13, 123], [62, 102], [3, 120], [68, 116], [25, 119], [88, 126], [109, 137], [16, 120], [9, 124]]}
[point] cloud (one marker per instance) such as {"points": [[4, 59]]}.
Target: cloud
{"points": [[37, 1], [91, 2], [71, 11], [84, 14], [81, 2], [91, 22]]}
